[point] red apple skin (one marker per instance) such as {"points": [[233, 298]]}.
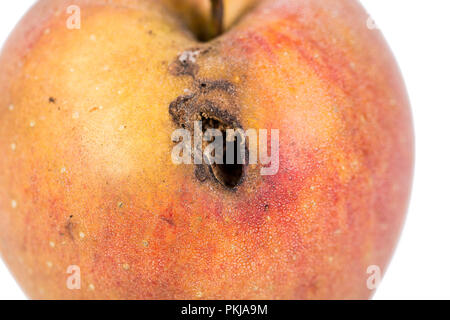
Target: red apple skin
{"points": [[86, 177]]}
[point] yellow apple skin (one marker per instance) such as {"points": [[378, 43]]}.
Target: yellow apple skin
{"points": [[86, 176]]}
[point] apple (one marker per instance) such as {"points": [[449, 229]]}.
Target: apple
{"points": [[92, 205]]}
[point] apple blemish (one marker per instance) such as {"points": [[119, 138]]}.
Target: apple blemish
{"points": [[208, 104], [186, 63], [205, 106]]}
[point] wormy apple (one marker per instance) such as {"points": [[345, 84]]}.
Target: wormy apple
{"points": [[91, 92]]}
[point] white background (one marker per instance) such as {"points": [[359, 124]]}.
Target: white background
{"points": [[418, 32]]}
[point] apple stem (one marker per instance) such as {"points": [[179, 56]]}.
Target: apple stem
{"points": [[217, 10]]}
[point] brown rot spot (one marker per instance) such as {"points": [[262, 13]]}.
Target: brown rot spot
{"points": [[200, 173], [51, 100], [68, 227], [185, 65], [169, 221], [211, 105], [186, 62], [228, 173]]}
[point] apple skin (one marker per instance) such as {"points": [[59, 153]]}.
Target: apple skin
{"points": [[86, 176]]}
